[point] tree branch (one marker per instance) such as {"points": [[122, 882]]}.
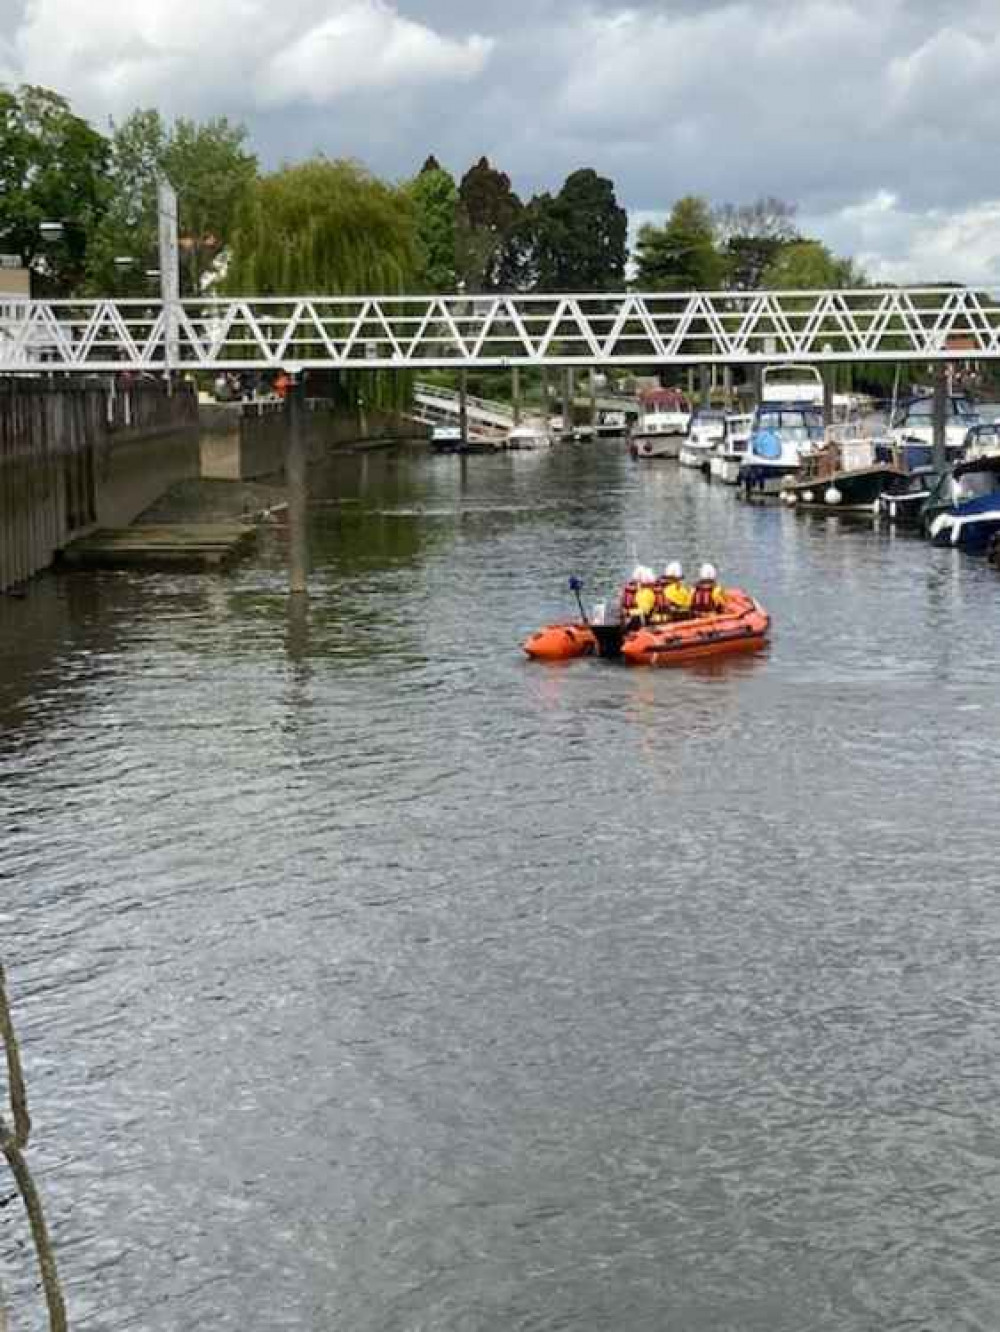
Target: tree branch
{"points": [[12, 1144]]}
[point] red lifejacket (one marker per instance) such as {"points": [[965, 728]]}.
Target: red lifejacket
{"points": [[629, 594], [703, 599]]}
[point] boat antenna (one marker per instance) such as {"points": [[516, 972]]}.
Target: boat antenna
{"points": [[576, 587]]}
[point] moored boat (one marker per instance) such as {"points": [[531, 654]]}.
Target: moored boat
{"points": [[800, 384], [531, 435], [963, 510], [783, 436], [664, 415], [728, 456], [913, 422], [848, 475], [705, 433]]}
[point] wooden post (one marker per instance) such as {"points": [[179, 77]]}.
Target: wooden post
{"points": [[463, 404], [298, 487], [568, 395], [516, 394], [940, 417], [727, 387]]}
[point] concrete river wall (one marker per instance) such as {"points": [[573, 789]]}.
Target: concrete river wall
{"points": [[76, 456]]}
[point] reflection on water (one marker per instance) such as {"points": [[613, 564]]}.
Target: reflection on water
{"points": [[371, 977]]}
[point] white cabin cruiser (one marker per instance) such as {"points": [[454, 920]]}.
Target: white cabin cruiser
{"points": [[664, 416], [530, 435], [914, 421], [729, 455], [783, 435], [706, 431], [799, 384]]}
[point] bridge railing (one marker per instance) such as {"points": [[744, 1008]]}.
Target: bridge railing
{"points": [[410, 332]]}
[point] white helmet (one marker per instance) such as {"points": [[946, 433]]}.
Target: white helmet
{"points": [[674, 570], [648, 576], [707, 573], [637, 574]]}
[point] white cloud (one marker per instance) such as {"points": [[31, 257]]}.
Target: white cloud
{"points": [[894, 244], [366, 45], [214, 56]]}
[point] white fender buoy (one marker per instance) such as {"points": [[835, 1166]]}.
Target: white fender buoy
{"points": [[793, 499], [808, 497], [832, 496]]}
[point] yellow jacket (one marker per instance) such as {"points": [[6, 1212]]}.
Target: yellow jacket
{"points": [[676, 596]]}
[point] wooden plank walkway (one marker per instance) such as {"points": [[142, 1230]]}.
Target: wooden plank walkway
{"points": [[173, 546]]}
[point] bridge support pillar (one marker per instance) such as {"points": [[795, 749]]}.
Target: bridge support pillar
{"points": [[829, 377], [705, 385], [567, 407], [940, 417], [593, 399], [463, 404], [515, 394], [298, 487], [727, 387]]}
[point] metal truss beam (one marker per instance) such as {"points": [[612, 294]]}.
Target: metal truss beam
{"points": [[482, 332]]}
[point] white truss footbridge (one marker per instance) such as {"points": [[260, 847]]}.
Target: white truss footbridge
{"points": [[482, 332]]}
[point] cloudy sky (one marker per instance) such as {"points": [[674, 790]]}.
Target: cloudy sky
{"points": [[880, 118]]}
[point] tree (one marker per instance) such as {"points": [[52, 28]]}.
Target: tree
{"points": [[576, 241], [209, 168], [809, 265], [767, 218], [681, 255], [435, 198], [53, 168], [328, 228], [752, 236], [488, 209]]}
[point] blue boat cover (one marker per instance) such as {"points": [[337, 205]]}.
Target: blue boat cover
{"points": [[766, 444]]}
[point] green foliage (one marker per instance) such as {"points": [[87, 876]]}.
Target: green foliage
{"points": [[324, 228], [575, 241], [808, 265], [435, 198], [52, 169], [210, 169], [681, 255], [488, 209], [327, 228]]}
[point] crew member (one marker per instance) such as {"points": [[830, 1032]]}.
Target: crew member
{"points": [[707, 597], [673, 596], [639, 597]]}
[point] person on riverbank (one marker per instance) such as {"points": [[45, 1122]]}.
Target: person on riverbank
{"points": [[707, 598]]}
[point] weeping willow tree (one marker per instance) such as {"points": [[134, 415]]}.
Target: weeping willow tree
{"points": [[327, 228]]}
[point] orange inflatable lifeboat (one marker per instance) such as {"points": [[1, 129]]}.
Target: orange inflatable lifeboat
{"points": [[562, 642], [741, 626]]}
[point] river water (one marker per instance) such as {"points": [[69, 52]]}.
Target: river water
{"points": [[370, 977]]}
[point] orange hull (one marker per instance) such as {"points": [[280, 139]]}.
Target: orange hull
{"points": [[561, 642], [741, 627]]}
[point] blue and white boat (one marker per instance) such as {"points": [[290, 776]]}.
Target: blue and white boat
{"points": [[783, 435], [964, 508]]}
